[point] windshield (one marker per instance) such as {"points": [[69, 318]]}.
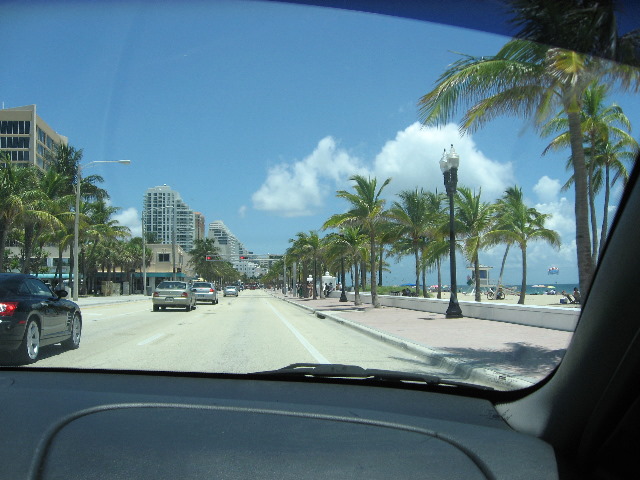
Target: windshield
{"points": [[381, 192]]}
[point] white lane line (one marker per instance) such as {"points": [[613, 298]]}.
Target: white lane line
{"points": [[151, 339], [305, 343]]}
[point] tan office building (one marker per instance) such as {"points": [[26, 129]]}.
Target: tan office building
{"points": [[26, 137]]}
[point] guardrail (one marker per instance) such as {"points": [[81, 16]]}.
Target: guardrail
{"points": [[555, 318]]}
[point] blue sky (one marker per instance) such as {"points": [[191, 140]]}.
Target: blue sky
{"points": [[257, 113]]}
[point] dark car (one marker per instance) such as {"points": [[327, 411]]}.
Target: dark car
{"points": [[32, 316]]}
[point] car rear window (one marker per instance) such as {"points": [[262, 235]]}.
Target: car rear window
{"points": [[172, 285]]}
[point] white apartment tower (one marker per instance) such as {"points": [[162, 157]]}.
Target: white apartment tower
{"points": [[227, 242], [164, 215]]}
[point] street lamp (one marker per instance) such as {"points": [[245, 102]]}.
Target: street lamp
{"points": [[449, 166], [343, 295], [76, 221]]}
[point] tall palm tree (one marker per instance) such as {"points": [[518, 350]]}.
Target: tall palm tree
{"points": [[367, 210], [474, 219], [612, 156], [414, 220], [530, 80], [437, 248], [602, 125], [520, 224]]}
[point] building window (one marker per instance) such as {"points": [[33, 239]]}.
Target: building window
{"points": [[163, 257]]}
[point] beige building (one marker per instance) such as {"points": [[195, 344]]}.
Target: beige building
{"points": [[161, 265], [26, 137]]}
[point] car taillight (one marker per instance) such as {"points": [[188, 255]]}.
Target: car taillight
{"points": [[155, 294], [8, 308], [185, 294], [211, 290]]}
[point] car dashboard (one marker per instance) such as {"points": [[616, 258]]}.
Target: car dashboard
{"points": [[124, 425]]}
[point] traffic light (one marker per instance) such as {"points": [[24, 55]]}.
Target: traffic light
{"points": [[243, 257], [210, 258]]}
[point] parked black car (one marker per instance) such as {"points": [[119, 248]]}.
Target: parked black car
{"points": [[32, 316]]}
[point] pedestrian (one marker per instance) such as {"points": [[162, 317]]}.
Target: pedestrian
{"points": [[576, 295]]}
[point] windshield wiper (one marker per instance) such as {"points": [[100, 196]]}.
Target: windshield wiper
{"points": [[337, 370]]}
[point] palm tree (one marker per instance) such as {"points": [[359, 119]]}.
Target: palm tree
{"points": [[367, 210], [530, 80], [351, 241], [588, 26], [23, 204], [601, 126], [13, 182], [519, 224], [474, 219], [202, 249], [309, 245], [437, 248], [414, 220], [613, 156], [99, 230]]}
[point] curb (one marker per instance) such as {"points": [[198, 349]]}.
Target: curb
{"points": [[111, 302], [482, 375]]}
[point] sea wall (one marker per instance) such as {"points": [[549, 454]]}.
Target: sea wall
{"points": [[556, 318]]}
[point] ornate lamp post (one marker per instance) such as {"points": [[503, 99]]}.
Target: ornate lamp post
{"points": [[76, 223], [449, 166]]}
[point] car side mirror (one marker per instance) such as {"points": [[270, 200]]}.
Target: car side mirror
{"points": [[61, 293], [194, 290]]}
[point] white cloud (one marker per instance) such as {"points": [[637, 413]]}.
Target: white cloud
{"points": [[297, 189], [547, 189], [242, 211], [412, 160], [130, 218]]}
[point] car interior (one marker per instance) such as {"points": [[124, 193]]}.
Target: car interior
{"points": [[582, 421]]}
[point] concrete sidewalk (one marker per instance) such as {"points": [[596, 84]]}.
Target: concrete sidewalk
{"points": [[505, 354], [94, 301]]}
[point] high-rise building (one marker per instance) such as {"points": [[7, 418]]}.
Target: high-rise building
{"points": [[27, 138], [226, 241], [165, 215]]}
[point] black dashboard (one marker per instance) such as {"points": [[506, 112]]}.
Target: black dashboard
{"points": [[76, 425]]}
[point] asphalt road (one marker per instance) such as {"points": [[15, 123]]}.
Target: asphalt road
{"points": [[254, 332]]}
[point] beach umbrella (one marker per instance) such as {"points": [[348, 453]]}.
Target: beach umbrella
{"points": [[408, 285]]}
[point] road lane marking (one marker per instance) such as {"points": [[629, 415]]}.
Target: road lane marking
{"points": [[305, 343], [151, 339]]}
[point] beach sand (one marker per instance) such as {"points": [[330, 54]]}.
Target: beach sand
{"points": [[540, 300]]}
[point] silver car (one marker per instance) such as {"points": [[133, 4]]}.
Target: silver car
{"points": [[205, 292], [174, 294], [230, 290]]}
